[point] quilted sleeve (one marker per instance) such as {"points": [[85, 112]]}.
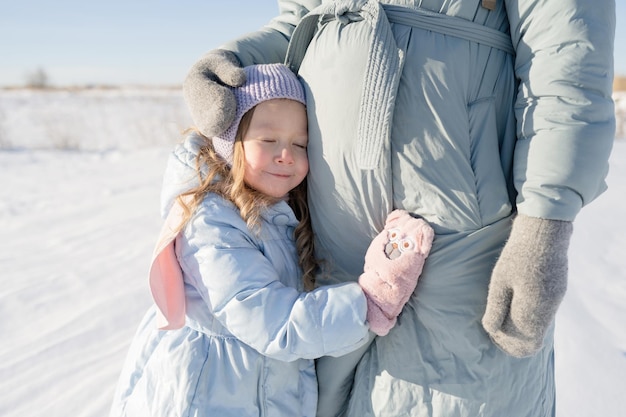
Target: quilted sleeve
{"points": [[564, 110]]}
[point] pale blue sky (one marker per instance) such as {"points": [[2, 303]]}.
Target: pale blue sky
{"points": [[136, 41]]}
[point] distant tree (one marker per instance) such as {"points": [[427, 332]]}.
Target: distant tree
{"points": [[37, 79]]}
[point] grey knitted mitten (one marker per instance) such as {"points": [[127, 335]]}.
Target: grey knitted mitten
{"points": [[211, 103], [527, 284]]}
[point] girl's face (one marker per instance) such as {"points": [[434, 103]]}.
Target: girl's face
{"points": [[275, 147]]}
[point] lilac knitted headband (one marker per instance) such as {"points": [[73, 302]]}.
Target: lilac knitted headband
{"points": [[263, 82]]}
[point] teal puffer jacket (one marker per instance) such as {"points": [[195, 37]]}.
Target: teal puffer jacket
{"points": [[464, 116]]}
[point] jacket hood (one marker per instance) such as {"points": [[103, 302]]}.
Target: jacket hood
{"points": [[180, 172]]}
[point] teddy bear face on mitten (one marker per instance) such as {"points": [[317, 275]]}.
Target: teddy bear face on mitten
{"points": [[393, 264]]}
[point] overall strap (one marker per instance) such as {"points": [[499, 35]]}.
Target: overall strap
{"points": [[303, 34]]}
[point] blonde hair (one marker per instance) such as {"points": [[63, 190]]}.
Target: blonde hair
{"points": [[217, 177]]}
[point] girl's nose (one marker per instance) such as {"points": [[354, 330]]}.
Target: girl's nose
{"points": [[285, 156]]}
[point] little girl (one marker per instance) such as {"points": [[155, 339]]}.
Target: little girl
{"points": [[233, 280]]}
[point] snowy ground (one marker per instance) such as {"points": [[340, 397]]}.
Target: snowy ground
{"points": [[80, 178]]}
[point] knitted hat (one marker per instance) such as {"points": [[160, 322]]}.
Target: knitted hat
{"points": [[263, 82]]}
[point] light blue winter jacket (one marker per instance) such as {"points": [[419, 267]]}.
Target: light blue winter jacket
{"points": [[251, 334], [462, 115]]}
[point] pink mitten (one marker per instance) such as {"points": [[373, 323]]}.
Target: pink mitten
{"points": [[393, 263]]}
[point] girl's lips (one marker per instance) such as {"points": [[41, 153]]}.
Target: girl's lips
{"points": [[280, 175]]}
